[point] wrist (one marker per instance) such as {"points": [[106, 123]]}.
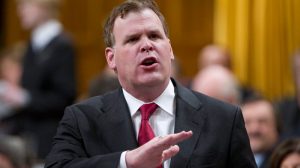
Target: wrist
{"points": [[130, 163]]}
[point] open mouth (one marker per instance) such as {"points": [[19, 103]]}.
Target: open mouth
{"points": [[149, 61]]}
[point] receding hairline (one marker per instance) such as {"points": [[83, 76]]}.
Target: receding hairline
{"points": [[125, 9], [137, 13]]}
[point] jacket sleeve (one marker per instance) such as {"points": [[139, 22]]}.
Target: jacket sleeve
{"points": [[240, 151], [68, 149]]}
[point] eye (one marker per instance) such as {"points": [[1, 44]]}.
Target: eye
{"points": [[154, 36], [132, 40]]}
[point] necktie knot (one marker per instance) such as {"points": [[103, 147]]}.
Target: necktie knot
{"points": [[147, 110]]}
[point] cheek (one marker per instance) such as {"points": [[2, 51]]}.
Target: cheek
{"points": [[35, 13], [126, 55], [123, 62], [166, 49]]}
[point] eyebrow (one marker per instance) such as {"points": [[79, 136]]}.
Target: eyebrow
{"points": [[134, 35], [155, 32], [127, 37]]}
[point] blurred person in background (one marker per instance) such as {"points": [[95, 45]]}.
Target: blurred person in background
{"points": [[217, 55], [214, 55], [287, 154], [106, 81], [178, 74], [289, 108], [14, 152], [218, 82], [10, 75], [263, 128], [48, 80]]}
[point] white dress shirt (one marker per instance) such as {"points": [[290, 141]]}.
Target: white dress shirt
{"points": [[43, 34], [162, 121], [259, 158]]}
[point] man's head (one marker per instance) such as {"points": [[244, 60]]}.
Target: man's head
{"points": [[218, 82], [261, 124], [214, 55], [138, 48], [11, 64], [123, 10], [35, 12]]}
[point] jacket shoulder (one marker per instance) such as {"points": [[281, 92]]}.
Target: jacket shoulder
{"points": [[96, 102]]}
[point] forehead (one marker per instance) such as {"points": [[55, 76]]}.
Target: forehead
{"points": [[258, 109], [137, 21]]}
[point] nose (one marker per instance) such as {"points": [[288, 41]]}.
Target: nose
{"points": [[146, 45], [254, 127]]}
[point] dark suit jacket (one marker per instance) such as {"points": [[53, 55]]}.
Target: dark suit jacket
{"points": [[49, 77], [289, 113], [94, 133]]}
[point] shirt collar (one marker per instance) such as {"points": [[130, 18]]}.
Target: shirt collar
{"points": [[165, 101], [44, 33], [259, 158]]}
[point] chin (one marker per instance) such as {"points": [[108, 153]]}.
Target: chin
{"points": [[154, 79], [26, 26]]}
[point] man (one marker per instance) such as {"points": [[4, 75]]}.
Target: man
{"points": [[218, 82], [47, 83], [191, 129], [106, 81], [214, 54], [263, 128], [10, 73]]}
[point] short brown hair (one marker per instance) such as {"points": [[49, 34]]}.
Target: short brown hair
{"points": [[123, 9]]}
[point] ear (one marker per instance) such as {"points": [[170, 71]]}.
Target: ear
{"points": [[110, 58], [171, 51]]}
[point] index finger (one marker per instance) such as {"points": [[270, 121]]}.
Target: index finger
{"points": [[173, 139]]}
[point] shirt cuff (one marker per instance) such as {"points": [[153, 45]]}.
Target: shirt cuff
{"points": [[122, 163]]}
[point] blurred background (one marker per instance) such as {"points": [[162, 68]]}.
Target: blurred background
{"points": [[261, 35]]}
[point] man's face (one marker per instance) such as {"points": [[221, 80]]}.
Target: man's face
{"points": [[213, 56], [31, 14], [142, 53], [260, 125]]}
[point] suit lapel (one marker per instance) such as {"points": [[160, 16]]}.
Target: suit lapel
{"points": [[189, 116], [118, 128], [117, 123], [42, 55]]}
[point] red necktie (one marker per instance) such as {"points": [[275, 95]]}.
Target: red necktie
{"points": [[146, 133]]}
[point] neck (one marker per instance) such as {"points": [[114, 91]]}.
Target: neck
{"points": [[42, 22], [148, 94]]}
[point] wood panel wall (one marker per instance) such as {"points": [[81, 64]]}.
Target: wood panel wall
{"points": [[190, 23]]}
